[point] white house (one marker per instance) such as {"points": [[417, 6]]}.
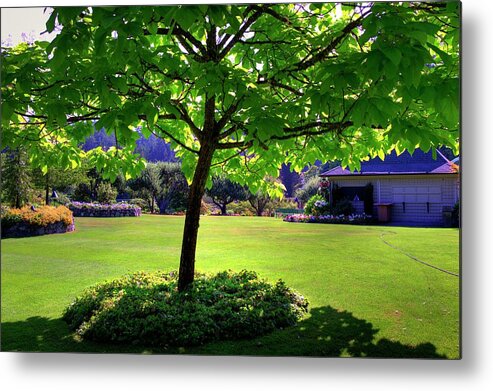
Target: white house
{"points": [[414, 190]]}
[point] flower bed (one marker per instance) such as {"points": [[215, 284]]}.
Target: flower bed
{"points": [[38, 221], [89, 209], [331, 219]]}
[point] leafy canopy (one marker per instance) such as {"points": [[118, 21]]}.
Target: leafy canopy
{"points": [[266, 84]]}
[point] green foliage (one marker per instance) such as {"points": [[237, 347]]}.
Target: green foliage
{"points": [[16, 176], [392, 85], [63, 198], [163, 184], [342, 207], [242, 208], [237, 87], [317, 205], [82, 193], [146, 309], [173, 195], [310, 204], [106, 194], [259, 202], [141, 203], [308, 190], [223, 192]]}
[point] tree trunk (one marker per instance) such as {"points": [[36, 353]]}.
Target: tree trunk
{"points": [[47, 190], [223, 209], [197, 189]]}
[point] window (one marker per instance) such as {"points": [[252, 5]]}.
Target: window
{"points": [[417, 194]]}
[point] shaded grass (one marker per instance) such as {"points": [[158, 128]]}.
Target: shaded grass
{"points": [[347, 273]]}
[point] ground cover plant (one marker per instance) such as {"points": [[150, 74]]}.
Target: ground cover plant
{"points": [[366, 298], [146, 308]]}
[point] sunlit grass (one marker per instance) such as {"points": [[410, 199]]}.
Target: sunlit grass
{"points": [[365, 297]]}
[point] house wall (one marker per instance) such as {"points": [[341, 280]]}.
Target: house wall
{"points": [[415, 199]]}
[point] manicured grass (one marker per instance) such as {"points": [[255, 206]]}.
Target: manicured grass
{"points": [[366, 298]]}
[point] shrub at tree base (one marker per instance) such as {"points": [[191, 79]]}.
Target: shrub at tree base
{"points": [[147, 309], [89, 209], [40, 221]]}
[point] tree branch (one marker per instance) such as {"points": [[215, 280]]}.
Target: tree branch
{"points": [[275, 83], [246, 24], [180, 143], [228, 114], [322, 54], [237, 144]]}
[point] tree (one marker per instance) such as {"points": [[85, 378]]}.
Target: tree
{"points": [[223, 192], [259, 202], [161, 183], [16, 178], [309, 189], [147, 185], [174, 190], [237, 89], [58, 179]]}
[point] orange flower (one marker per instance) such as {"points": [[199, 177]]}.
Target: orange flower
{"points": [[44, 215]]}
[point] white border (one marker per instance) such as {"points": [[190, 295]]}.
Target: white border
{"points": [[124, 372]]}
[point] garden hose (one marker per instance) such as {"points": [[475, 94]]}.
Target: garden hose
{"points": [[412, 256]]}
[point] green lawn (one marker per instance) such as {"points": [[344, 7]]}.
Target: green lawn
{"points": [[366, 298]]}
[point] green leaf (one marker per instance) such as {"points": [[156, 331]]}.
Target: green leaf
{"points": [[50, 24], [446, 58], [7, 112], [393, 54]]}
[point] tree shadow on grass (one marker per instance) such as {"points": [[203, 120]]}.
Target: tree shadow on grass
{"points": [[326, 333], [340, 333], [40, 334]]}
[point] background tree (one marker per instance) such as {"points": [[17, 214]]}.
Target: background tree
{"points": [[147, 185], [223, 192], [237, 89], [259, 202], [163, 184], [174, 190], [309, 189], [106, 193], [16, 178], [63, 181]]}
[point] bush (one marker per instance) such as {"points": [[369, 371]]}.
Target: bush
{"points": [[331, 219], [63, 199], [146, 308], [90, 209], [343, 207], [41, 216], [242, 208], [106, 193], [141, 203], [316, 205], [82, 193]]}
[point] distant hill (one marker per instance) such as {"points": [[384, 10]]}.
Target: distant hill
{"points": [[153, 149]]}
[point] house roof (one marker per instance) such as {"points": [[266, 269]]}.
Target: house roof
{"points": [[405, 164]]}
